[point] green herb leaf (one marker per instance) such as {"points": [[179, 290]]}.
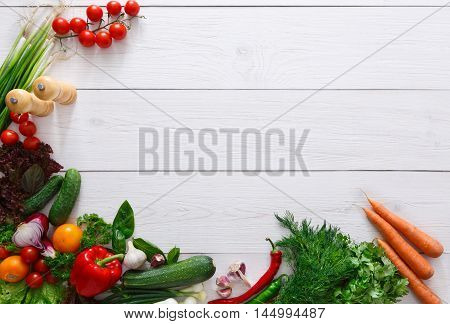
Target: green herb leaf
{"points": [[173, 255], [33, 179], [95, 231], [6, 233], [119, 243], [320, 259], [61, 265], [376, 280], [124, 220], [148, 248]]}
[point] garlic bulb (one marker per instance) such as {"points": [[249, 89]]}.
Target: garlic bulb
{"points": [[134, 258]]}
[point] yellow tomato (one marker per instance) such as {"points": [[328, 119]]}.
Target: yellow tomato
{"points": [[67, 238], [13, 269]]}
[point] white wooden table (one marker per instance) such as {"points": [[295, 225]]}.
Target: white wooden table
{"points": [[380, 122]]}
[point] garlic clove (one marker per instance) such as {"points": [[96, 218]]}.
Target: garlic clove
{"points": [[223, 282], [225, 292], [157, 260]]}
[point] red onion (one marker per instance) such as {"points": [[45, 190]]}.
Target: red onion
{"points": [[49, 250], [41, 217], [157, 260], [30, 232]]}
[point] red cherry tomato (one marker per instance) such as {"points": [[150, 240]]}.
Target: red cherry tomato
{"points": [[29, 254], [51, 279], [61, 26], [103, 39], [31, 143], [114, 8], [77, 25], [18, 118], [94, 13], [27, 128], [40, 266], [4, 253], [87, 38], [9, 137], [132, 8], [34, 280], [118, 31]]}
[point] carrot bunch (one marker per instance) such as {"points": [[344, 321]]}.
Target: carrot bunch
{"points": [[410, 263]]}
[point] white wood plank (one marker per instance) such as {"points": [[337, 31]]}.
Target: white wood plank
{"points": [[168, 3], [364, 130], [257, 264], [234, 213], [231, 48]]}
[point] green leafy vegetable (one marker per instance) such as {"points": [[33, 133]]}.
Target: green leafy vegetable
{"points": [[46, 294], [61, 265], [377, 280], [148, 248], [95, 231], [173, 255], [119, 243], [123, 227], [6, 233], [320, 259], [33, 179], [12, 293]]}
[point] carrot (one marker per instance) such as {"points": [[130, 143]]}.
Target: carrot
{"points": [[423, 241], [413, 259], [422, 292]]}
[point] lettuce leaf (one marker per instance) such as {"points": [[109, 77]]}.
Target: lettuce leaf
{"points": [[46, 294], [12, 293]]}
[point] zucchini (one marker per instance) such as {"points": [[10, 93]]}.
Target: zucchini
{"points": [[188, 272], [67, 196], [38, 201]]}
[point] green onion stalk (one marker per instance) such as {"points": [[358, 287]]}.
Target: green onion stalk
{"points": [[29, 57]]}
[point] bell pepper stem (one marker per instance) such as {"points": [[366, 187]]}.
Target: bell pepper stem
{"points": [[107, 260]]}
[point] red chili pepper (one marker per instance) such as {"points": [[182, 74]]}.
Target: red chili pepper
{"points": [[95, 270], [264, 281]]}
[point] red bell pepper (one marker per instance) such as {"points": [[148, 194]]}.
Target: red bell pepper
{"points": [[95, 270]]}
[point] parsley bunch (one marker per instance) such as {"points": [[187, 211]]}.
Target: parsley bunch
{"points": [[95, 231]]}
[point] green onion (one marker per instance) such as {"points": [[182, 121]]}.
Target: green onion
{"points": [[29, 57]]}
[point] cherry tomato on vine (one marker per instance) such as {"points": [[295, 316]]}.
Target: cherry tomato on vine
{"points": [[4, 253], [27, 128], [61, 26], [118, 31], [132, 8], [86, 38], [77, 25], [29, 254], [51, 279], [9, 137], [94, 13], [114, 8], [34, 280], [103, 39], [40, 266], [31, 143], [18, 118]]}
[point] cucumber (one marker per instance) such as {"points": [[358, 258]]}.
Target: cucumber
{"points": [[38, 201], [188, 272], [67, 196]]}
